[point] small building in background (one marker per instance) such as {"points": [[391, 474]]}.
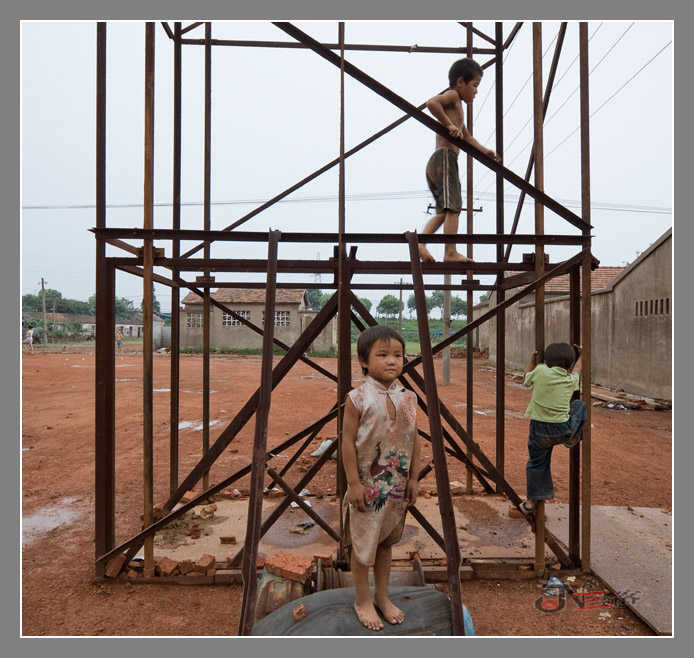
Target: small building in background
{"points": [[631, 318], [292, 316]]}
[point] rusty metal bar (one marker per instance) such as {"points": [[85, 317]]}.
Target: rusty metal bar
{"points": [[104, 371], [538, 121], [147, 301], [295, 497], [545, 104], [291, 45], [255, 501], [452, 549], [479, 33], [344, 275], [501, 317], [427, 527], [175, 376], [206, 316], [355, 238], [512, 34], [586, 297], [575, 453], [469, 389], [434, 125]]}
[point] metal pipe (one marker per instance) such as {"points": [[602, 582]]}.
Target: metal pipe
{"points": [[147, 301], [104, 371], [175, 376], [586, 296], [501, 317], [441, 472], [255, 502], [469, 373]]}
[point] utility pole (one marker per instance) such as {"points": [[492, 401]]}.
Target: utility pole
{"points": [[400, 311], [44, 338]]}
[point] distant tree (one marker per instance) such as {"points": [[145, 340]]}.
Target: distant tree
{"points": [[485, 296], [367, 303], [412, 305], [313, 295], [124, 307], [458, 307], [31, 303], [324, 299], [437, 300], [389, 306]]}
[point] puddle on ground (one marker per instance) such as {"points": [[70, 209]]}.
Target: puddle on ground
{"points": [[195, 425], [47, 519]]}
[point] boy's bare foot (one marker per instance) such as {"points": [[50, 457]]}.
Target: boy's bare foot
{"points": [[367, 615], [391, 612], [424, 254], [456, 257]]}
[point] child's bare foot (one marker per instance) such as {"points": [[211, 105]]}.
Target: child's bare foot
{"points": [[391, 613], [456, 257], [424, 254], [367, 615]]}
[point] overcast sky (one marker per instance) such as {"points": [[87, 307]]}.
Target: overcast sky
{"points": [[275, 119]]}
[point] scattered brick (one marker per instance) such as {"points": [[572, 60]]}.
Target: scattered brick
{"points": [[227, 539], [289, 566], [556, 566], [515, 513], [132, 574], [114, 565], [327, 558], [427, 494], [299, 612], [205, 563], [457, 487], [188, 496], [211, 572], [260, 562], [524, 567], [186, 566], [166, 566], [275, 493]]}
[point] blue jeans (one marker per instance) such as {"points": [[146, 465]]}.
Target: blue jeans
{"points": [[542, 438]]}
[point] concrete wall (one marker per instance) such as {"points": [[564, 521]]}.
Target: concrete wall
{"points": [[241, 337], [630, 350]]}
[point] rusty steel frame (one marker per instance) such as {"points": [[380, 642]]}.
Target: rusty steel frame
{"points": [[142, 260]]}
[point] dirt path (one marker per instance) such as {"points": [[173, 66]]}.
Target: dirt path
{"points": [[631, 466]]}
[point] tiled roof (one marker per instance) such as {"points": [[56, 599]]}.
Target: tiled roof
{"points": [[248, 296], [600, 278]]}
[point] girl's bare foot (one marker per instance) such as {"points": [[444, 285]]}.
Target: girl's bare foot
{"points": [[391, 613], [367, 615], [424, 254], [456, 257]]}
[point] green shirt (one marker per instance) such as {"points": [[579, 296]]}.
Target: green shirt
{"points": [[552, 390]]}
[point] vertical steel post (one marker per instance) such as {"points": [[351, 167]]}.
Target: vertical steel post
{"points": [[539, 255], [344, 340], [574, 453], [470, 300], [176, 252], [206, 320], [105, 384], [500, 294], [255, 500], [147, 300], [436, 431], [586, 296]]}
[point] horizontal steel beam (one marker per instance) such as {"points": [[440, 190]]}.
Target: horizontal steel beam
{"points": [[356, 238]]}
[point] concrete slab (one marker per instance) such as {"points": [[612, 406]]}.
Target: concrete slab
{"points": [[631, 550]]}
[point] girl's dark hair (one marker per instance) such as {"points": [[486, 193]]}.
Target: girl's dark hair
{"points": [[560, 354], [466, 68], [372, 335]]}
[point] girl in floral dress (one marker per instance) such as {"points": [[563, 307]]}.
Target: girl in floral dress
{"points": [[380, 453]]}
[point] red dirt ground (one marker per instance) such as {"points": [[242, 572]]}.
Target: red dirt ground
{"points": [[631, 466]]}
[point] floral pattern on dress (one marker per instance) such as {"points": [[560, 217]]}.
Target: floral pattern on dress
{"points": [[389, 475]]}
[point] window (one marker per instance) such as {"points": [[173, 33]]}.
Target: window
{"points": [[282, 318], [229, 320], [194, 319], [653, 307]]}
